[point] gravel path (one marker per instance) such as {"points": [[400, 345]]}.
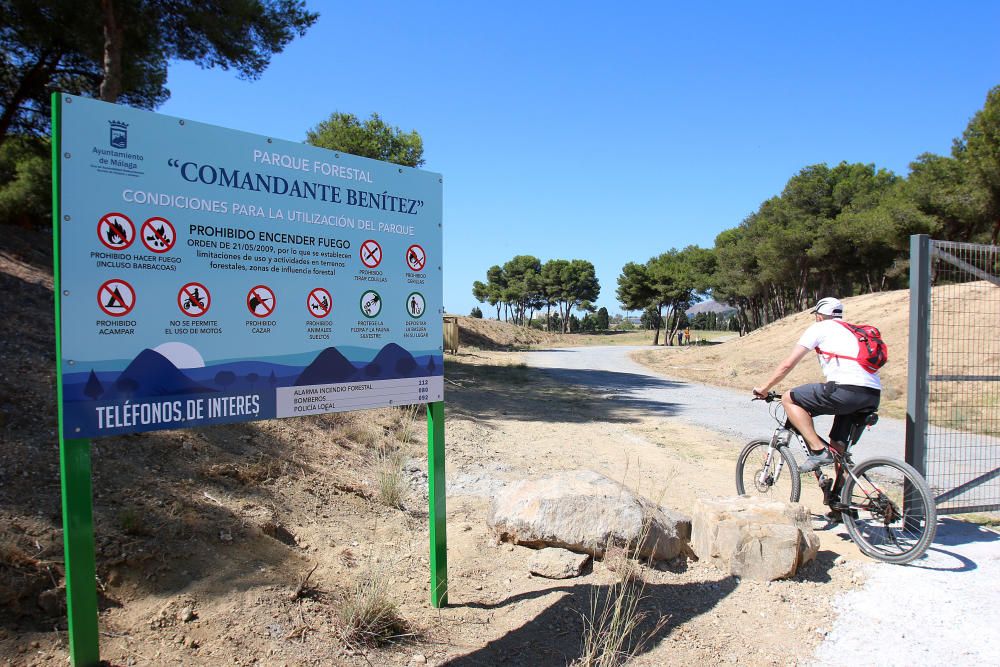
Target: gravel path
{"points": [[939, 610], [609, 369]]}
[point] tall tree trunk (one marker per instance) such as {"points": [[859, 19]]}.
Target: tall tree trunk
{"points": [[111, 87], [37, 75]]}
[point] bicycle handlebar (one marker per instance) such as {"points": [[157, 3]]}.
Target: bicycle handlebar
{"points": [[771, 396]]}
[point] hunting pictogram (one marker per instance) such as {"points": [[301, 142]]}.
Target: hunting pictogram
{"points": [[416, 258], [319, 302], [371, 303], [261, 301], [116, 231], [158, 235], [116, 297], [371, 253], [194, 299]]}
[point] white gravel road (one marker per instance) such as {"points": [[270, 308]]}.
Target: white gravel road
{"points": [[939, 610]]}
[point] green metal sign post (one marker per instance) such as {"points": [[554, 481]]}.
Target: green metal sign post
{"points": [[74, 468], [78, 544], [436, 501]]}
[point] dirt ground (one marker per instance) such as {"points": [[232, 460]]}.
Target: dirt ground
{"points": [[239, 545]]}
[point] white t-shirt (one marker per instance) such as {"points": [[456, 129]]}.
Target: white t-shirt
{"points": [[830, 336]]}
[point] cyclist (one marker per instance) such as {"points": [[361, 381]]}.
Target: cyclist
{"points": [[849, 387]]}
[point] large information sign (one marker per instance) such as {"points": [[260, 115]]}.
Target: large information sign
{"points": [[212, 276]]}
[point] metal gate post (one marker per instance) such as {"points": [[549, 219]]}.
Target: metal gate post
{"points": [[917, 385]]}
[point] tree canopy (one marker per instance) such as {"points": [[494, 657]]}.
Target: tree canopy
{"points": [[118, 50], [845, 229], [372, 138], [524, 285]]}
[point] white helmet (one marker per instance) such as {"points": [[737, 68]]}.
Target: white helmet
{"points": [[829, 306]]}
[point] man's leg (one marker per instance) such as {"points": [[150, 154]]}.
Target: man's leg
{"points": [[803, 421]]}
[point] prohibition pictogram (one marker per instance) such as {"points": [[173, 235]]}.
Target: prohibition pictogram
{"points": [[158, 235], [371, 303], [416, 258], [116, 231], [415, 304], [116, 297], [261, 301], [371, 253], [319, 302], [194, 299]]}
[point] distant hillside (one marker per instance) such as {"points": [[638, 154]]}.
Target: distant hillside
{"points": [[710, 306], [495, 335]]}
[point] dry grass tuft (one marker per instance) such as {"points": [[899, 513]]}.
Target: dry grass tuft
{"points": [[612, 632], [368, 615], [389, 476]]}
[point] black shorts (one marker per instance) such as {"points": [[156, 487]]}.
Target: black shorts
{"points": [[841, 400]]}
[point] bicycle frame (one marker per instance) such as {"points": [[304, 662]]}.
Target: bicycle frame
{"points": [[842, 461]]}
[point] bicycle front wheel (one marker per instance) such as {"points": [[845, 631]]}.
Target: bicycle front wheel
{"points": [[889, 511], [761, 470]]}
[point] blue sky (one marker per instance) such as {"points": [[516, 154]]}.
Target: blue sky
{"points": [[612, 134]]}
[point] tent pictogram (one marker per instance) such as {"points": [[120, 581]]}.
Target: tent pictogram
{"points": [[371, 253], [319, 302], [415, 304], [116, 231], [158, 235], [371, 303], [261, 301], [416, 258], [116, 297], [194, 299]]}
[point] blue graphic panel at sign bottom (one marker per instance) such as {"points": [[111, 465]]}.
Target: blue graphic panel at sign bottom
{"points": [[152, 393]]}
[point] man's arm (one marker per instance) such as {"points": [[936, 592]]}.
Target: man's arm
{"points": [[783, 369]]}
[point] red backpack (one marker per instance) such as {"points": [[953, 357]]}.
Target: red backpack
{"points": [[872, 351]]}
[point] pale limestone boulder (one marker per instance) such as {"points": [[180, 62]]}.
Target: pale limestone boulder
{"points": [[553, 563], [754, 538], [586, 512]]}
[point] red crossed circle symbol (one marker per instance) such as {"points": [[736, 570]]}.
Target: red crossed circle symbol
{"points": [[194, 299], [116, 297], [319, 302], [158, 235], [261, 301], [371, 253], [416, 258], [116, 231]]}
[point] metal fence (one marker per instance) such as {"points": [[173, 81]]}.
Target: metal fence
{"points": [[953, 409]]}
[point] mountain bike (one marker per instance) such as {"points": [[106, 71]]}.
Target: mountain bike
{"points": [[885, 504]]}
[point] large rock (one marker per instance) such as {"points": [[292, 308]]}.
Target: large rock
{"points": [[755, 538], [586, 512]]}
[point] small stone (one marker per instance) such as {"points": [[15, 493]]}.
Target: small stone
{"points": [[418, 659], [553, 563], [186, 615]]}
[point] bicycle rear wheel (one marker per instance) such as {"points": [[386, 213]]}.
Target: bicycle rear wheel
{"points": [[763, 471], [889, 510]]}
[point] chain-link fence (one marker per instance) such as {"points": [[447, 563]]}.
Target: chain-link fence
{"points": [[954, 406]]}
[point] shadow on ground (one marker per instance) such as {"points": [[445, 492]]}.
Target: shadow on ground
{"points": [[554, 636], [520, 392]]}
